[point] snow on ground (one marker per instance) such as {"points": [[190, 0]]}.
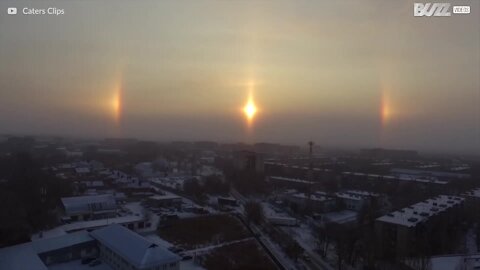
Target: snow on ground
{"points": [[135, 208], [445, 263], [48, 234], [157, 240], [190, 265], [184, 265], [77, 265], [306, 239], [471, 241], [304, 236], [203, 250], [273, 211]]}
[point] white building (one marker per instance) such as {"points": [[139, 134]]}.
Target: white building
{"points": [[399, 230], [123, 249], [116, 246], [89, 207]]}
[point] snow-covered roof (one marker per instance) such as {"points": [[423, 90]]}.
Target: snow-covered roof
{"points": [[92, 224], [404, 177], [363, 193], [349, 196], [313, 197], [135, 249], [82, 170], [287, 179], [20, 257], [429, 172], [422, 211], [165, 197], [96, 183], [82, 204], [341, 217], [55, 243], [25, 256]]}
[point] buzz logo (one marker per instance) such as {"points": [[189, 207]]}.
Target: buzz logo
{"points": [[431, 9]]}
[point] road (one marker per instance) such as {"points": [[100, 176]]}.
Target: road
{"points": [[315, 263], [277, 258]]}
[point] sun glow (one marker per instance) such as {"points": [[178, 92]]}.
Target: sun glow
{"points": [[386, 110], [250, 109], [116, 103]]}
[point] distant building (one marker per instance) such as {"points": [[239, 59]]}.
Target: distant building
{"points": [[82, 170], [368, 178], [356, 199], [344, 217], [166, 200], [400, 231], [89, 207], [96, 184], [145, 170], [120, 141], [352, 202], [117, 247], [299, 171], [429, 174], [248, 161], [205, 145], [273, 148], [316, 202], [389, 153], [287, 182]]}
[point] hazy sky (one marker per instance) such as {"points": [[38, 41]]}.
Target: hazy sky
{"points": [[341, 73]]}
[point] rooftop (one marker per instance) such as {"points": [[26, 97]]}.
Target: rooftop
{"points": [[349, 196], [280, 178], [422, 211], [164, 197], [341, 217], [397, 177], [133, 248], [25, 256], [313, 197], [93, 224], [81, 204]]}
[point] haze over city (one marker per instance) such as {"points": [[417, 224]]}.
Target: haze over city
{"points": [[239, 135], [342, 73]]}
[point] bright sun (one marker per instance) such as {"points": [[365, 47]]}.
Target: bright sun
{"points": [[250, 109]]}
